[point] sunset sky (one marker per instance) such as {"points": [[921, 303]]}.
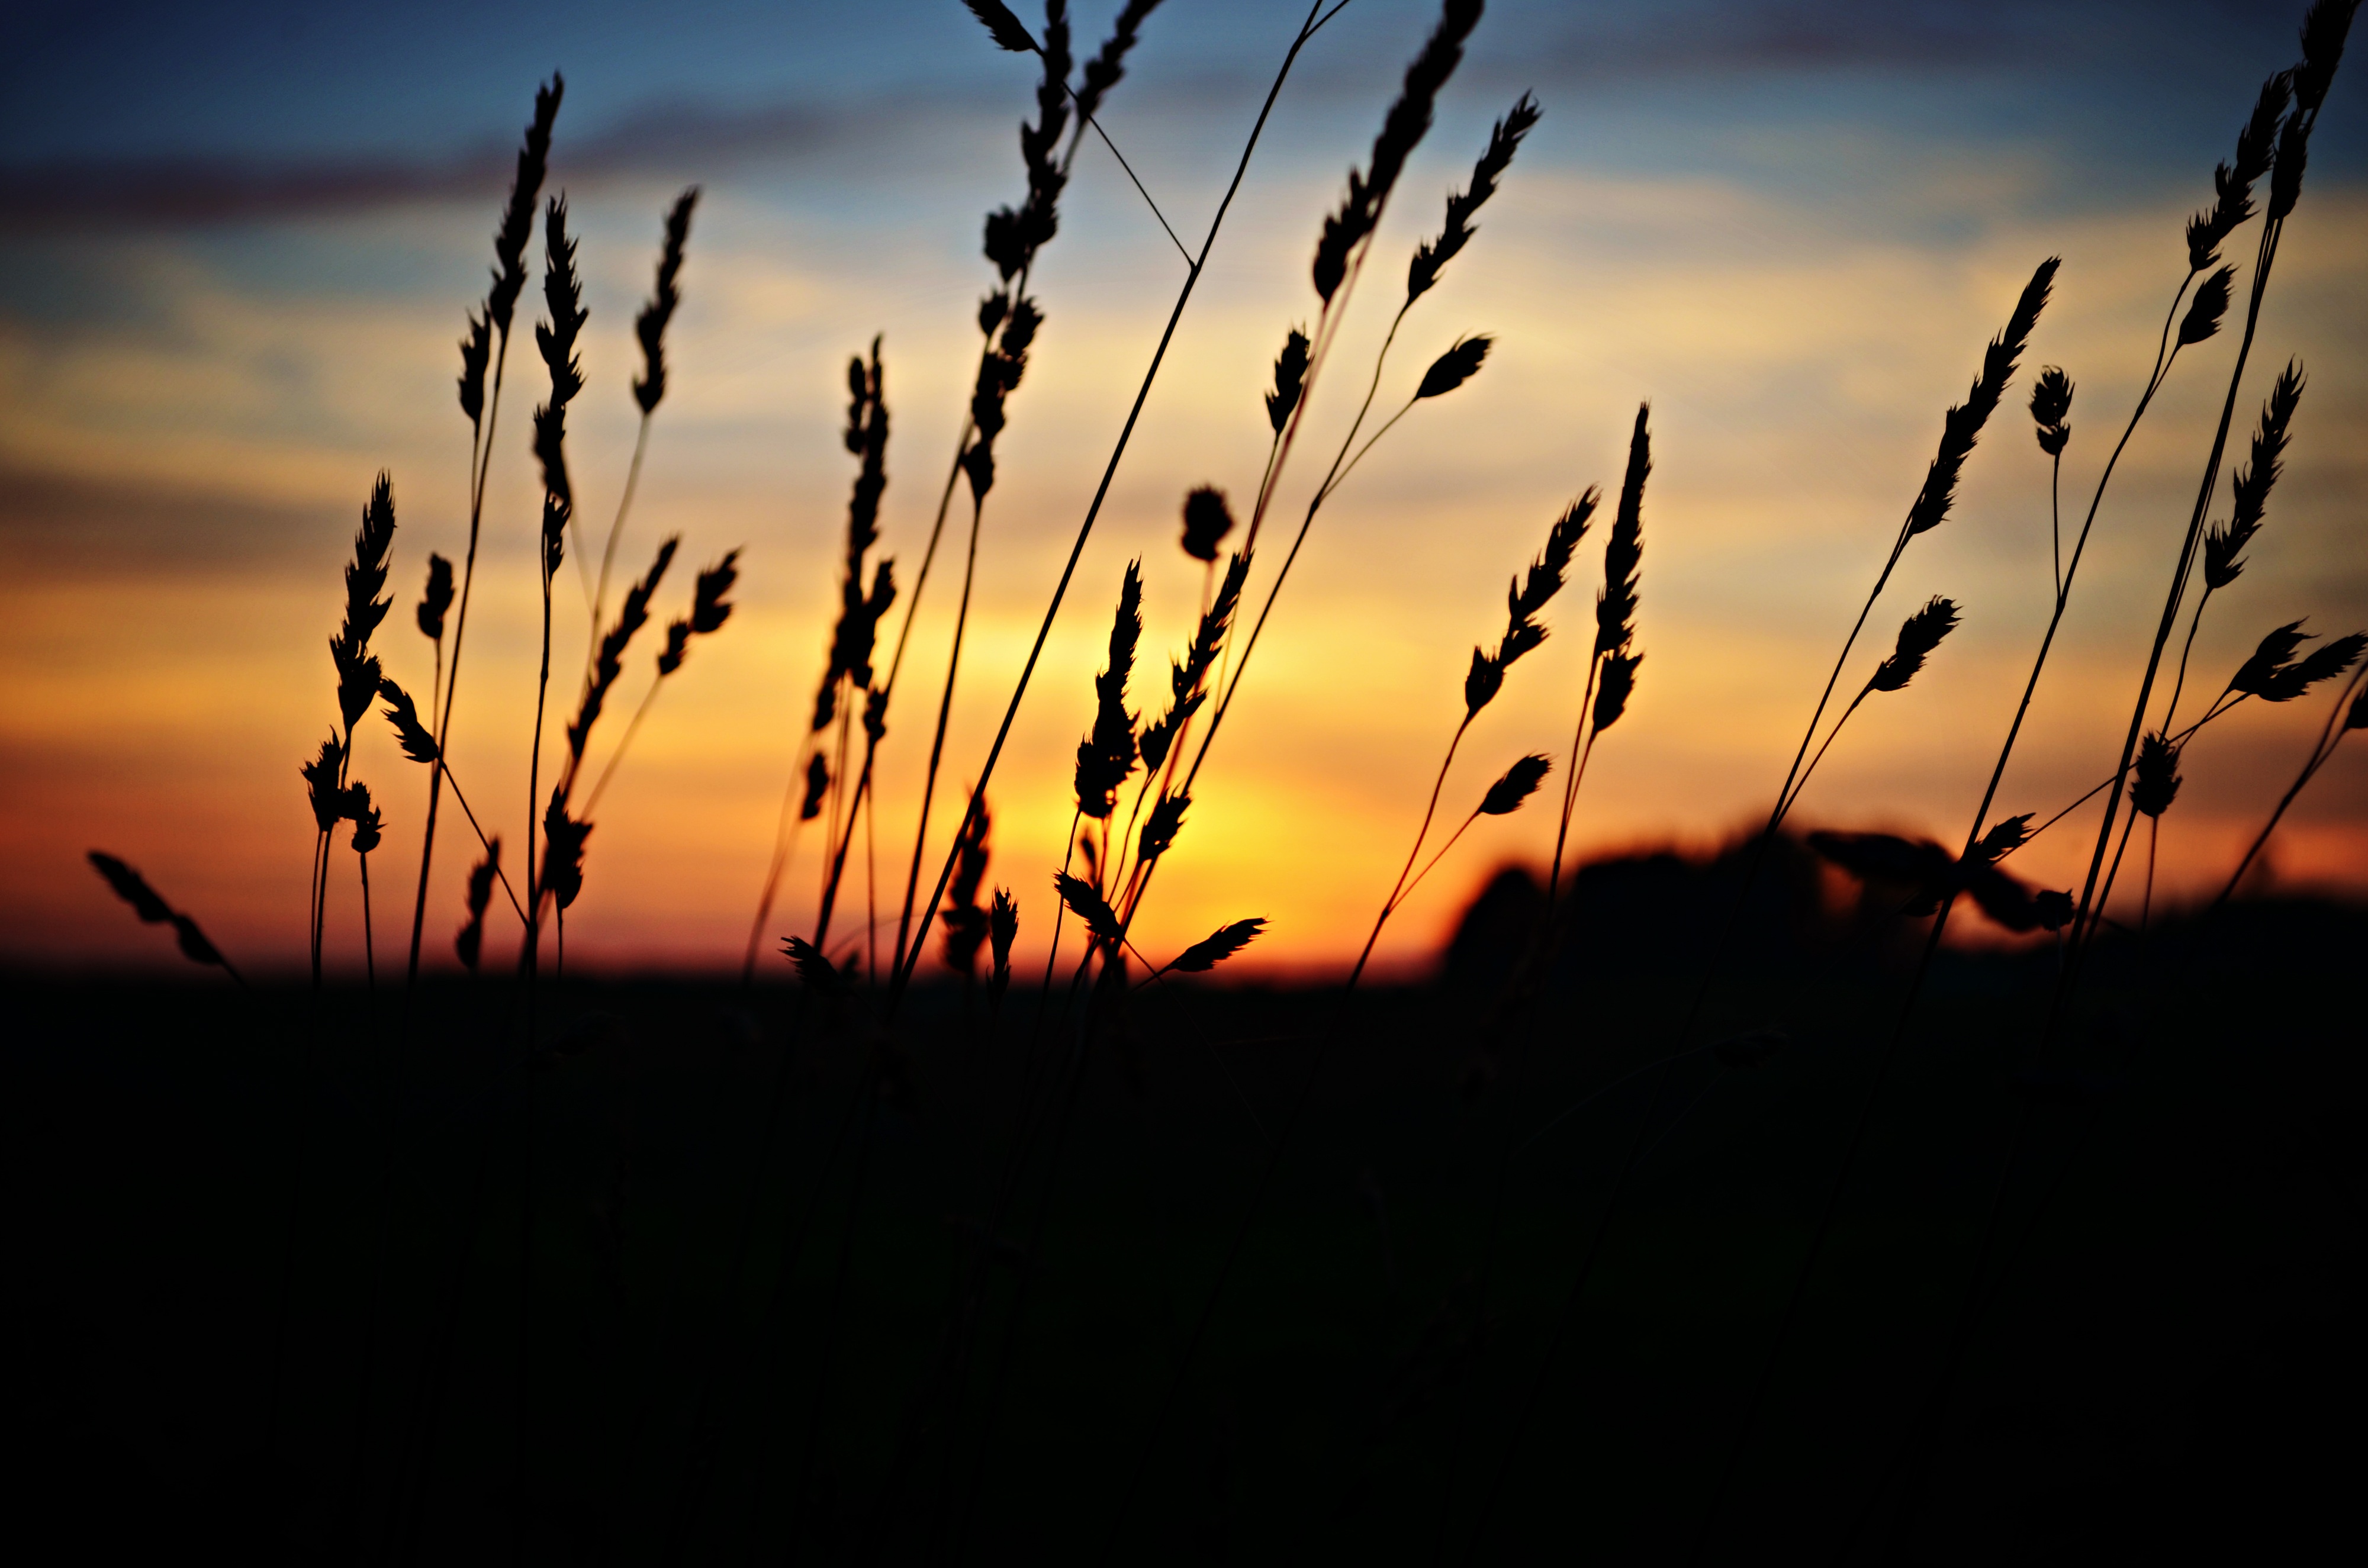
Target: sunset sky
{"points": [[237, 242]]}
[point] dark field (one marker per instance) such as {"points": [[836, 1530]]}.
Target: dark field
{"points": [[2173, 1363]]}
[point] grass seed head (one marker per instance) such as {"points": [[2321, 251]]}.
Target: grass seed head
{"points": [[1615, 607], [1961, 425], [677, 643], [369, 825], [2323, 29], [2206, 309], [2002, 839], [1105, 70], [132, 889], [609, 662], [651, 324], [2154, 784], [1289, 373], [517, 217], [1217, 946], [436, 598], [409, 733], [1614, 685], [2233, 182], [1089, 907], [1918, 635], [1457, 365], [1207, 521], [1402, 129], [563, 850], [816, 971], [1159, 829], [2051, 403], [476, 354], [470, 943], [708, 608], [2249, 489], [1519, 783], [2274, 653], [1002, 26], [817, 785], [320, 776], [1503, 141], [2321, 664], [1002, 930], [1107, 756]]}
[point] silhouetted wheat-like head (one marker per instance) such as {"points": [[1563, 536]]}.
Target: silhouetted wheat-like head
{"points": [[517, 217], [1188, 683], [2003, 838], [1002, 930], [1105, 70], [1615, 607], [2050, 404], [470, 943], [1527, 596], [563, 850], [2324, 662], [1503, 141], [709, 610], [965, 923], [1087, 905], [1160, 828], [1918, 635], [1457, 365], [2154, 784], [436, 598], [651, 324], [859, 613], [999, 374], [2323, 29], [1217, 946], [609, 662], [1105, 757], [368, 824], [133, 889], [2207, 308], [1961, 425], [1207, 521], [1614, 685], [817, 786], [2275, 653], [1290, 375], [416, 743], [2249, 490], [476, 353], [1402, 129], [320, 776], [818, 974], [365, 579], [1013, 238], [2233, 182], [562, 296], [1518, 784]]}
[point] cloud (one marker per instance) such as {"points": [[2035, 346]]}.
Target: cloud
{"points": [[175, 192]]}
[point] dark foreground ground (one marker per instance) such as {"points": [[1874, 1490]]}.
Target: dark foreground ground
{"points": [[2173, 1365]]}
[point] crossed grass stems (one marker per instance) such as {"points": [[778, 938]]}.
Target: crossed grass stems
{"points": [[1107, 901]]}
